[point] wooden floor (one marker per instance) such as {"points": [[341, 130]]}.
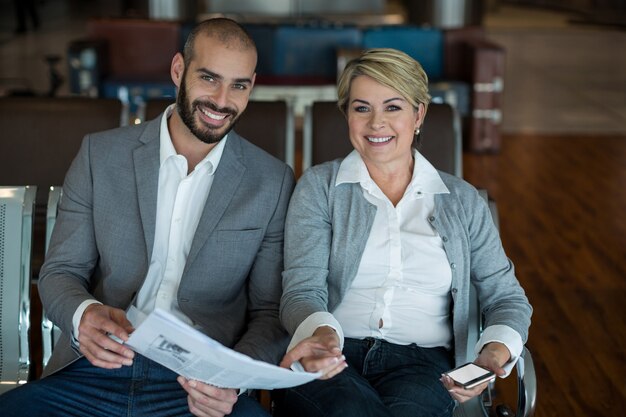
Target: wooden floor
{"points": [[562, 208]]}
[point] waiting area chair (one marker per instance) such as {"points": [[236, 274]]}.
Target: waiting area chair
{"points": [[49, 332], [268, 124], [325, 136], [41, 137], [16, 232]]}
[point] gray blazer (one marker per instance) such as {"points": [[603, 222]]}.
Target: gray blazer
{"points": [[325, 235], [104, 234]]}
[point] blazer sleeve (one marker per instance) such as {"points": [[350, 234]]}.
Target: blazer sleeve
{"points": [[64, 280], [265, 337]]}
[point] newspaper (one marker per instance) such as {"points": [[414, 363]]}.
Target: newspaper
{"points": [[174, 344]]}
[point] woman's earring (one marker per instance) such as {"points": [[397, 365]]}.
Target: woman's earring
{"points": [[417, 131]]}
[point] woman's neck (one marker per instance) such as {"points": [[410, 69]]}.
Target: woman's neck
{"points": [[392, 179]]}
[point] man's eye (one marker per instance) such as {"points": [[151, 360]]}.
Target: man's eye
{"points": [[208, 78], [240, 86]]}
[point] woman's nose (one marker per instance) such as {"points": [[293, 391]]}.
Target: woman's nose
{"points": [[377, 121]]}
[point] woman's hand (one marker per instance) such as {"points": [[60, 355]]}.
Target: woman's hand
{"points": [[206, 400], [319, 352], [493, 356]]}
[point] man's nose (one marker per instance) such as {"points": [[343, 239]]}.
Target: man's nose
{"points": [[221, 97]]}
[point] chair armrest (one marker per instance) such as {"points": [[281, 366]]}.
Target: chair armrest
{"points": [[526, 385]]}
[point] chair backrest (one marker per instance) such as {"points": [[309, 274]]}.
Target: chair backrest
{"points": [[16, 231], [325, 136], [49, 332], [268, 124], [153, 107], [41, 136]]}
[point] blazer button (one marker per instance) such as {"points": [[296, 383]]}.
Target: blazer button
{"points": [[453, 265], [445, 239], [454, 290], [431, 218]]}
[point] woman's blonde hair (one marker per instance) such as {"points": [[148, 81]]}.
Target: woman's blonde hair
{"points": [[391, 68]]}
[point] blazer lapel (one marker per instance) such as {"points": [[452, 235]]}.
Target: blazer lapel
{"points": [[147, 164], [229, 174]]}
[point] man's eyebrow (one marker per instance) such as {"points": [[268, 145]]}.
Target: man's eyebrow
{"points": [[219, 77], [243, 80], [210, 73]]}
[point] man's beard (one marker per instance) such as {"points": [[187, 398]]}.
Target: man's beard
{"points": [[207, 134]]}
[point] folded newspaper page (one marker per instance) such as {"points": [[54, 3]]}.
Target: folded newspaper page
{"points": [[174, 344]]}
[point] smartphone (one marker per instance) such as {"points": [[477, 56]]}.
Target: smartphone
{"points": [[470, 375]]}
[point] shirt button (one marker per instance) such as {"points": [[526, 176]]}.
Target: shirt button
{"points": [[453, 265]]}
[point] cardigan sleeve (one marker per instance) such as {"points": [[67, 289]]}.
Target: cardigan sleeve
{"points": [[307, 251]]}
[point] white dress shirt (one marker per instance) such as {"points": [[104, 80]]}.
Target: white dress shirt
{"points": [[401, 292], [180, 201]]}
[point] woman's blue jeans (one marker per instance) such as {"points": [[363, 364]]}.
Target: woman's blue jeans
{"points": [[382, 379], [143, 389]]}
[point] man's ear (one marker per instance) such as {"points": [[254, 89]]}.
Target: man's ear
{"points": [[177, 69]]}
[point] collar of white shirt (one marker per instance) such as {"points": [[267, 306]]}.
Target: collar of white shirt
{"points": [[167, 147], [426, 179]]}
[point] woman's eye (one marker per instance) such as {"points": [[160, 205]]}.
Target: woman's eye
{"points": [[393, 107], [360, 109]]}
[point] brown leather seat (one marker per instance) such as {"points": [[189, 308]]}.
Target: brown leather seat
{"points": [[326, 136], [40, 138]]}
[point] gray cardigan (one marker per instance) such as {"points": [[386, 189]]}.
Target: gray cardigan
{"points": [[326, 231]]}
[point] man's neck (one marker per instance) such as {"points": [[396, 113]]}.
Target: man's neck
{"points": [[186, 143]]}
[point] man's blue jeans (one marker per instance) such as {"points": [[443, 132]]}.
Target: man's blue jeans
{"points": [[382, 379], [143, 389]]}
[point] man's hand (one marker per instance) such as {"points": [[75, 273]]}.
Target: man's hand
{"points": [[206, 400], [319, 352], [493, 356], [96, 324]]}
